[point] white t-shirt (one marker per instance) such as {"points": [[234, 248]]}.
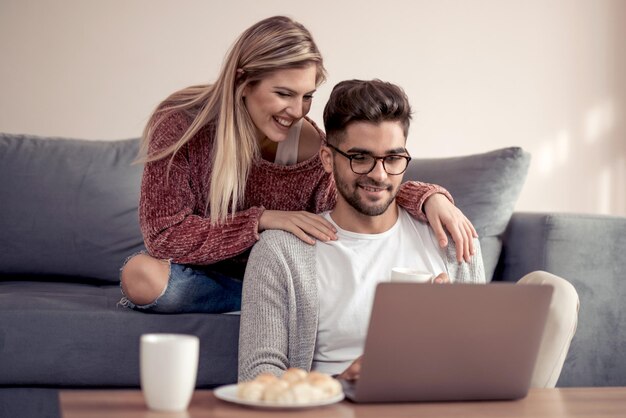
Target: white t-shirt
{"points": [[349, 270]]}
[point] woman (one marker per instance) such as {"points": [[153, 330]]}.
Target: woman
{"points": [[229, 160]]}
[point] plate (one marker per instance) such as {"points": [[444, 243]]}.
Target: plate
{"points": [[228, 393]]}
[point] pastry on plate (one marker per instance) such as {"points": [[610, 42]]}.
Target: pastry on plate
{"points": [[294, 387]]}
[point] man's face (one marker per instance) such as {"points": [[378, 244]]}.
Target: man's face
{"points": [[369, 194]]}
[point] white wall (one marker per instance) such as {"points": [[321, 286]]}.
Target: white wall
{"points": [[546, 75]]}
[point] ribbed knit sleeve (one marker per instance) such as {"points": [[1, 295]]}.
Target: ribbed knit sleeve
{"points": [[413, 194], [279, 307], [168, 209], [472, 272]]}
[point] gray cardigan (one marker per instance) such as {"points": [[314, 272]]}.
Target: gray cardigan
{"points": [[280, 302]]}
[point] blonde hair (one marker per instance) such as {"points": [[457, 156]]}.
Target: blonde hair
{"points": [[272, 44]]}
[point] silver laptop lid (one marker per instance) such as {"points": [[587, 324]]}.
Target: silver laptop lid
{"points": [[452, 342]]}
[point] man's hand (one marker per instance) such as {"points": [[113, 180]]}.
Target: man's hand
{"points": [[300, 223], [353, 372], [441, 212], [442, 278]]}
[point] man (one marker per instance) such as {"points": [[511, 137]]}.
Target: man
{"points": [[308, 306]]}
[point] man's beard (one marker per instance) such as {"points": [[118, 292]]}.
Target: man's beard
{"points": [[354, 200]]}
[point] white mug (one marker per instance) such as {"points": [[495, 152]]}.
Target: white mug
{"points": [[405, 274], [169, 367]]}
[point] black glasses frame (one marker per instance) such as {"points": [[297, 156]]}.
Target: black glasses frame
{"points": [[375, 158]]}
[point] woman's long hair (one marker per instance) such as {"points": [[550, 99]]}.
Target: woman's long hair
{"points": [[272, 44]]}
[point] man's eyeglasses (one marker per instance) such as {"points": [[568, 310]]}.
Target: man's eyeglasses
{"points": [[364, 163]]}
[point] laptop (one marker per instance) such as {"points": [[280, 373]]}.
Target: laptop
{"points": [[457, 342]]}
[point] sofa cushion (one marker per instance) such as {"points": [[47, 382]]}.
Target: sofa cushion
{"points": [[588, 251], [69, 207], [75, 335], [484, 186]]}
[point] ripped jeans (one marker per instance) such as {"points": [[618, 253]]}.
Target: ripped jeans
{"points": [[193, 289]]}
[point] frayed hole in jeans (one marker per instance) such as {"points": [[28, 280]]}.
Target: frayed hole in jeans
{"points": [[125, 302]]}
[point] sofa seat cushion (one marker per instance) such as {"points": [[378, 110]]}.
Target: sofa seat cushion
{"points": [[71, 334]]}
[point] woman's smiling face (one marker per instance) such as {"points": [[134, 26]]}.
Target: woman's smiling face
{"points": [[281, 99]]}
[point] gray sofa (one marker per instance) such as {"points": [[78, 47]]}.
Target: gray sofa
{"points": [[68, 219]]}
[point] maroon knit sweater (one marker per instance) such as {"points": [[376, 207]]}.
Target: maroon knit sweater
{"points": [[172, 206]]}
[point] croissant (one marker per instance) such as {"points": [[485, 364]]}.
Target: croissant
{"points": [[251, 391], [274, 390], [329, 386], [295, 387], [293, 375]]}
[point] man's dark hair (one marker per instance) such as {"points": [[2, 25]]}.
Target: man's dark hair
{"points": [[372, 101]]}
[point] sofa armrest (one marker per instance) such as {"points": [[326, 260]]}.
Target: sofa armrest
{"points": [[588, 251]]}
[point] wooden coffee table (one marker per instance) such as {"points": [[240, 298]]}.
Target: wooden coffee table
{"points": [[549, 403]]}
